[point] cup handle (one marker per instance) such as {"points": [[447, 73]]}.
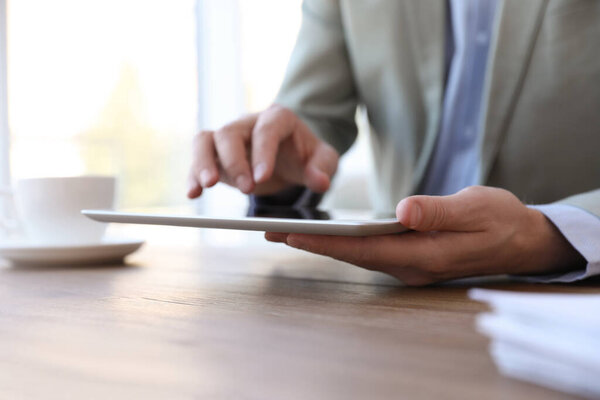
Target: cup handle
{"points": [[7, 223]]}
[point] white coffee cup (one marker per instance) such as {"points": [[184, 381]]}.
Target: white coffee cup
{"points": [[50, 208]]}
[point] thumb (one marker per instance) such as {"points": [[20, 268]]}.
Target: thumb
{"points": [[456, 212], [320, 168]]}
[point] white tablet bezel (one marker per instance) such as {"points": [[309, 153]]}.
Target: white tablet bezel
{"points": [[287, 225]]}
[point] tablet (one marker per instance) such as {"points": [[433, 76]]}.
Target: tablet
{"points": [[309, 221]]}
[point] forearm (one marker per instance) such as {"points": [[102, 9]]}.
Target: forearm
{"points": [[319, 85]]}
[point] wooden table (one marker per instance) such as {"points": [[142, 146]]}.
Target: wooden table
{"points": [[267, 322]]}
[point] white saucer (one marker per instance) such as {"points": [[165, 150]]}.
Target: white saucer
{"points": [[109, 250]]}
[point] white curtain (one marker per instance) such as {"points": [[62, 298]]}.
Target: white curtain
{"points": [[220, 83], [220, 88], [5, 208], [4, 159]]}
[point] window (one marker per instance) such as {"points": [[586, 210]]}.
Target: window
{"points": [[104, 87]]}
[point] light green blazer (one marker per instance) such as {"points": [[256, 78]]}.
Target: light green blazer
{"points": [[541, 124]]}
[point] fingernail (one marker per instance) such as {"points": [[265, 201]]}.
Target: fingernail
{"points": [[259, 171], [192, 185], [205, 177], [415, 216], [275, 237], [243, 183]]}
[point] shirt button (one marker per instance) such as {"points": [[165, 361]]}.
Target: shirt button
{"points": [[481, 38], [469, 132]]}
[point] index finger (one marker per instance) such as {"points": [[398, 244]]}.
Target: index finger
{"points": [[230, 143], [273, 126]]}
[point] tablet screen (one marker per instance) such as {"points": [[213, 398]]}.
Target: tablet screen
{"points": [[288, 212], [313, 213]]}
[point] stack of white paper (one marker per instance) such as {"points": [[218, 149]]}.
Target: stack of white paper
{"points": [[549, 339]]}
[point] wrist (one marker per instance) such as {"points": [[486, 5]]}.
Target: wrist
{"points": [[551, 251]]}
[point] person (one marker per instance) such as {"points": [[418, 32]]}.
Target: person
{"points": [[485, 127]]}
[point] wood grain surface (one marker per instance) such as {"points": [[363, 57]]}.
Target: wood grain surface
{"points": [[266, 322]]}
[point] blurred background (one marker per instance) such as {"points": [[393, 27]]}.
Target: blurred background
{"points": [[120, 87]]}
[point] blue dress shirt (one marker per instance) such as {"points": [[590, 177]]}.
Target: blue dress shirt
{"points": [[455, 161]]}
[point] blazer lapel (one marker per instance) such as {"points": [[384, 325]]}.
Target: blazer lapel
{"points": [[518, 25]]}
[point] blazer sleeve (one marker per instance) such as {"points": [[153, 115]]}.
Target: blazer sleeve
{"points": [[319, 86]]}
